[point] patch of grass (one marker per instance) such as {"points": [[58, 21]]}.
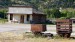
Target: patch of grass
{"points": [[3, 20]]}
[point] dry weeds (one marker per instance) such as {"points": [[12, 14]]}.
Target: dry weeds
{"points": [[27, 37]]}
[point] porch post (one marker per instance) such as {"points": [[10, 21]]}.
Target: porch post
{"points": [[9, 18]]}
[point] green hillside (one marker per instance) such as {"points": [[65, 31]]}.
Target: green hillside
{"points": [[49, 7]]}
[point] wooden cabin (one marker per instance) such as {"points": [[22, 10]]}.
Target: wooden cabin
{"points": [[25, 14]]}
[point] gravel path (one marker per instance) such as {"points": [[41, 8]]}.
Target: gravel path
{"points": [[26, 28]]}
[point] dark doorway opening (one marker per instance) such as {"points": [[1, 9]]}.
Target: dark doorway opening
{"points": [[28, 17], [22, 19], [11, 16], [73, 21]]}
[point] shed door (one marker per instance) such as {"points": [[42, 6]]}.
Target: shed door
{"points": [[22, 19]]}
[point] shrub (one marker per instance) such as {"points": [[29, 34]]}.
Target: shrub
{"points": [[3, 13]]}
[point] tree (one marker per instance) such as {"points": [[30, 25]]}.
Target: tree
{"points": [[5, 2], [3, 13], [69, 14], [56, 13]]}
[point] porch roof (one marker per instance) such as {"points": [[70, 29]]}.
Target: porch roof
{"points": [[23, 10]]}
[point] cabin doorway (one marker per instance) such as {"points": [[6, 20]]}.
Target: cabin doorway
{"points": [[22, 19], [11, 16]]}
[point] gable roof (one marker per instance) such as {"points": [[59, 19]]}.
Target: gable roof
{"points": [[23, 10], [37, 12]]}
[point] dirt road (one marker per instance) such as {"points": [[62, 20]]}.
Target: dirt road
{"points": [[25, 27]]}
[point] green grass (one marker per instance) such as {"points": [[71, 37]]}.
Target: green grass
{"points": [[68, 9], [3, 20]]}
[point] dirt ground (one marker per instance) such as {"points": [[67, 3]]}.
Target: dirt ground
{"points": [[16, 33], [27, 28]]}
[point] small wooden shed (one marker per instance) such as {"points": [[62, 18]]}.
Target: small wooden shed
{"points": [[25, 14]]}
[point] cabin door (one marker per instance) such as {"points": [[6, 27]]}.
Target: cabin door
{"points": [[22, 19], [11, 16]]}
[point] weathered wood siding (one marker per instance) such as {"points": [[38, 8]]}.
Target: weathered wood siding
{"points": [[38, 27], [39, 18]]}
